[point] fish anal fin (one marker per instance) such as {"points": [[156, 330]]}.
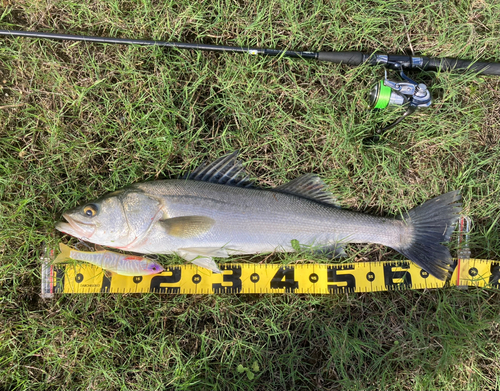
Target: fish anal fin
{"points": [[333, 251], [309, 186], [187, 226]]}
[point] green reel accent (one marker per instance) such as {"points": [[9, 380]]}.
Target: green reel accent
{"points": [[383, 97]]}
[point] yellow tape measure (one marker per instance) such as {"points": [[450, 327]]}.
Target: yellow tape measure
{"points": [[268, 278]]}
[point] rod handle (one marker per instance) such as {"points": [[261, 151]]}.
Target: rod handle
{"points": [[455, 64]]}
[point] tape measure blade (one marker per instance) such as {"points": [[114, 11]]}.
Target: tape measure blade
{"points": [[307, 278], [478, 272]]}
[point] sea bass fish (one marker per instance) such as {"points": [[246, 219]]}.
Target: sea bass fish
{"points": [[123, 264], [216, 211]]}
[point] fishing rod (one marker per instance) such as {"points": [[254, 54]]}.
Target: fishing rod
{"points": [[406, 93]]}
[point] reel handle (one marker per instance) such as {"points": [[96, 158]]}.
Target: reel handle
{"points": [[379, 132]]}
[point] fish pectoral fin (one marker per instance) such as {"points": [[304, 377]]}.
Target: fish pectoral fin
{"points": [[198, 259], [187, 226]]}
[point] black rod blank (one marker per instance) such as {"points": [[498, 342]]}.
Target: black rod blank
{"points": [[144, 42], [349, 58]]}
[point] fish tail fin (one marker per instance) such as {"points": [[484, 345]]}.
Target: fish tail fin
{"points": [[64, 255], [431, 224]]}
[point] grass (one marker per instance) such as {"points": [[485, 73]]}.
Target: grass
{"points": [[78, 120]]}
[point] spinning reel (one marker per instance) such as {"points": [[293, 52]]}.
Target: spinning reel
{"points": [[407, 93]]}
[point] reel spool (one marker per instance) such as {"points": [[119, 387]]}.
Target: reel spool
{"points": [[408, 93]]}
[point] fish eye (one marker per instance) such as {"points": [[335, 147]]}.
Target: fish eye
{"points": [[90, 210]]}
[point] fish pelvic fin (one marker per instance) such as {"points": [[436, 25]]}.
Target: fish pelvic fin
{"points": [[64, 255], [431, 224], [207, 263], [202, 256]]}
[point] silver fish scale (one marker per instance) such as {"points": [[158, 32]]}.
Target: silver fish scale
{"points": [[255, 220]]}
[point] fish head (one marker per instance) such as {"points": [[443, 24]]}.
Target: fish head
{"points": [[101, 221], [120, 219]]}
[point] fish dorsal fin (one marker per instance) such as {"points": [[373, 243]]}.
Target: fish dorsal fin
{"points": [[309, 186], [226, 170]]}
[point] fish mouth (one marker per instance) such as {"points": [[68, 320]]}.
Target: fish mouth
{"points": [[76, 228]]}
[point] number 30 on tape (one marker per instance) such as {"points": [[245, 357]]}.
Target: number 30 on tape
{"points": [[268, 278]]}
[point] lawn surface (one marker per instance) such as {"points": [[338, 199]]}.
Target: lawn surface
{"points": [[78, 120]]}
